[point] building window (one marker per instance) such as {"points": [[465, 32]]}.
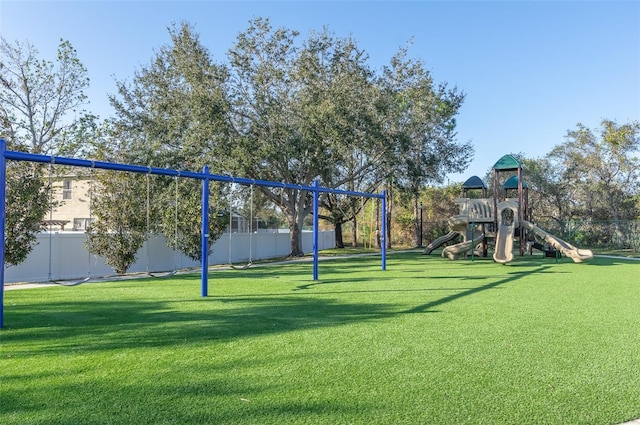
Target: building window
{"points": [[82, 223], [66, 189]]}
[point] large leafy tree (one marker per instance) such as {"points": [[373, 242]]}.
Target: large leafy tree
{"points": [[38, 97], [269, 142], [27, 202], [341, 105], [119, 229], [40, 103], [173, 114], [592, 177], [421, 127], [117, 200], [301, 111], [551, 195], [604, 164]]}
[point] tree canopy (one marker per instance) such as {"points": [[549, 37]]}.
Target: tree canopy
{"points": [[594, 174], [173, 114], [304, 111], [39, 101], [283, 108], [37, 96]]}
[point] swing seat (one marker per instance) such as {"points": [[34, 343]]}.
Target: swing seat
{"points": [[71, 282], [243, 267], [161, 275]]}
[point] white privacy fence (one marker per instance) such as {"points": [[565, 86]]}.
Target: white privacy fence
{"points": [[63, 256]]}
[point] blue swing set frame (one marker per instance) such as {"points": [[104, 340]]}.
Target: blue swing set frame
{"points": [[205, 176]]}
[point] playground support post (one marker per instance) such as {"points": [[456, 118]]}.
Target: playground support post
{"points": [[383, 240], [316, 184], [204, 276], [3, 211], [473, 236]]}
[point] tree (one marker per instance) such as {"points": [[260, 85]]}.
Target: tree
{"points": [[438, 206], [269, 144], [341, 103], [37, 98], [421, 127], [27, 202], [119, 229], [604, 166], [551, 195], [174, 114], [301, 111], [186, 221]]}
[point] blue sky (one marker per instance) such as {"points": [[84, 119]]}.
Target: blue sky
{"points": [[531, 70]]}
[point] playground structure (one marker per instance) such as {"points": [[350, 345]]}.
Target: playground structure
{"points": [[504, 219]]}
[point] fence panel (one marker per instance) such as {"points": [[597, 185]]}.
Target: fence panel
{"points": [[63, 256], [609, 234]]}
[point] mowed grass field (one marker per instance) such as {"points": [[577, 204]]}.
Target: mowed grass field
{"points": [[429, 341]]}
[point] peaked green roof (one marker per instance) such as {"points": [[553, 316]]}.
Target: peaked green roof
{"points": [[507, 162], [474, 182], [512, 183]]}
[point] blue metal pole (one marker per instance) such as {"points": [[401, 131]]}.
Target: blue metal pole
{"points": [[205, 232], [3, 210], [315, 230], [383, 240]]}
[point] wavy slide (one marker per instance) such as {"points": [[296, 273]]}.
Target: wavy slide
{"points": [[455, 251], [441, 240], [576, 254]]}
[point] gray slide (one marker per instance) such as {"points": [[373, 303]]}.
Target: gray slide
{"points": [[453, 252], [441, 240], [577, 255]]}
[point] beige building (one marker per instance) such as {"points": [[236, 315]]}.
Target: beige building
{"points": [[71, 196]]}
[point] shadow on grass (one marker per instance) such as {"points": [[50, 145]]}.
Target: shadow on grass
{"points": [[102, 325], [85, 325], [511, 277]]}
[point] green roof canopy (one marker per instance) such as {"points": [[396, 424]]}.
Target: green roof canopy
{"points": [[507, 162], [512, 183], [474, 182]]}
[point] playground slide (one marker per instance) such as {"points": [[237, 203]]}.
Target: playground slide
{"points": [[503, 251], [577, 255], [441, 240], [458, 223], [455, 251]]}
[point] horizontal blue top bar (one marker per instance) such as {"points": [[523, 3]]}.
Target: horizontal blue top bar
{"points": [[25, 156]]}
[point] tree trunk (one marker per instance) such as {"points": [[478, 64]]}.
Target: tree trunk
{"points": [[296, 241], [354, 232], [338, 235], [416, 222], [297, 220]]}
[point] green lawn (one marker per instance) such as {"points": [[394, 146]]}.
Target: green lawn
{"points": [[429, 341]]}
